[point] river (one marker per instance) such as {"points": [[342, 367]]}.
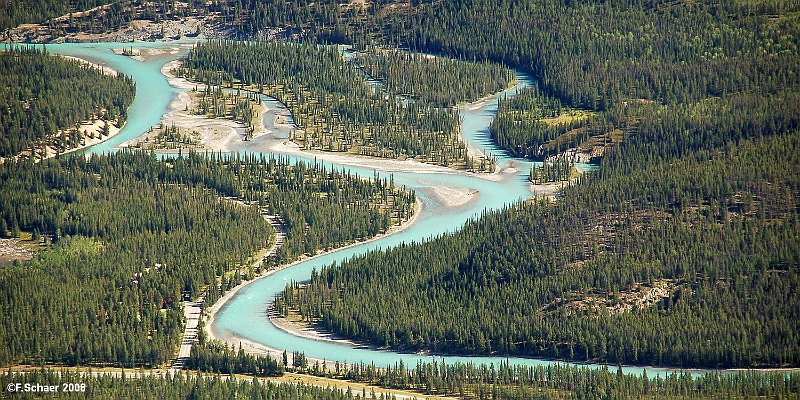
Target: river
{"points": [[244, 316]]}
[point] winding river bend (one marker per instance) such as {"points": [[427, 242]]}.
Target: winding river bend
{"points": [[244, 316]]}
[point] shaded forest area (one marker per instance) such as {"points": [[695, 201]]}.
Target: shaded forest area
{"points": [[438, 81], [660, 94], [44, 97], [115, 234], [689, 262], [594, 55], [537, 126]]}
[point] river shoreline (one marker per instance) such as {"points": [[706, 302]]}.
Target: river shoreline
{"points": [[94, 127], [216, 134], [262, 141], [146, 54], [112, 129], [499, 359], [314, 334], [103, 68], [472, 150], [257, 348]]}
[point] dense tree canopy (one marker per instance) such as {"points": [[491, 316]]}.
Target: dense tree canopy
{"points": [[217, 357], [534, 125], [172, 387], [435, 80], [127, 238], [468, 381], [118, 263], [42, 94], [505, 381], [15, 12], [594, 55], [687, 262]]}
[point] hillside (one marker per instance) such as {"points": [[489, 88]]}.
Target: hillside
{"points": [[679, 251]]}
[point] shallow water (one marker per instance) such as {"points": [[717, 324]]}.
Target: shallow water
{"points": [[245, 314]]}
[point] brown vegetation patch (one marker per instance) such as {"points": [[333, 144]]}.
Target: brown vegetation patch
{"points": [[16, 249], [568, 117], [590, 150], [603, 230], [566, 137], [397, 7], [641, 295]]}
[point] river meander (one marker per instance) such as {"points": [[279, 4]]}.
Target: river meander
{"points": [[244, 316]]}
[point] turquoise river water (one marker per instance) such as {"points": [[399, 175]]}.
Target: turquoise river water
{"points": [[244, 316]]}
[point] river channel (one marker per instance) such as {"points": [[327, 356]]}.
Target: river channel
{"points": [[244, 315]]}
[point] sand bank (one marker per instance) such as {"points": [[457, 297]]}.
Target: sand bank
{"points": [[547, 190], [450, 196], [226, 136], [146, 54], [216, 134], [258, 348], [92, 134], [105, 69]]}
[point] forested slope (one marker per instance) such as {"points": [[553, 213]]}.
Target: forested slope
{"points": [[127, 237], [686, 262], [44, 97], [16, 12], [594, 55], [630, 55], [116, 261]]}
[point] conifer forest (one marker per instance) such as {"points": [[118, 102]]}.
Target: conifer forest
{"points": [[350, 199]]}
